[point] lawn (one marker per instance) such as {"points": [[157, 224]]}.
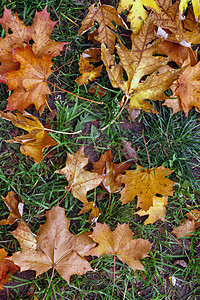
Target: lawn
{"points": [[97, 121]]}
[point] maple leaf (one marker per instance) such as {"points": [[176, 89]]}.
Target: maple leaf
{"points": [[120, 243], [7, 268], [79, 180], [110, 171], [186, 228], [92, 54], [156, 211], [41, 31], [106, 16], [17, 34], [14, 206], [95, 212], [195, 3], [175, 28], [188, 88], [88, 71], [194, 215], [146, 184], [36, 140], [137, 63], [137, 13], [29, 82], [54, 247]]}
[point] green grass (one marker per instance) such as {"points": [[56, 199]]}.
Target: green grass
{"points": [[171, 140]]}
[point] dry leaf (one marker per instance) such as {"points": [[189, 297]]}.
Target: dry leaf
{"points": [[110, 171], [14, 206], [96, 89], [156, 211], [186, 228], [7, 268], [106, 16], [28, 82], [36, 140], [146, 184], [137, 63], [95, 212], [129, 151], [174, 103], [120, 243], [137, 13], [55, 247], [195, 3], [88, 71], [79, 180], [188, 90], [92, 54], [194, 215]]}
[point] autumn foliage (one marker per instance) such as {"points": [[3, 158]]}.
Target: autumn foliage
{"points": [[144, 58]]}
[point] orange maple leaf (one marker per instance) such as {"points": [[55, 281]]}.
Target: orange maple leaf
{"points": [[107, 168], [146, 184], [7, 268], [88, 71], [120, 243], [29, 82], [14, 206], [17, 34], [36, 140], [79, 180], [53, 247]]}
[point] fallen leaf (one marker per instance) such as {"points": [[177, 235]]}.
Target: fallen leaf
{"points": [[14, 206], [92, 54], [146, 184], [188, 88], [36, 140], [128, 151], [29, 82], [89, 72], [120, 243], [7, 268], [96, 89], [109, 170], [138, 63], [186, 228], [106, 16], [194, 215], [137, 13], [95, 212], [156, 211], [55, 247], [79, 180], [195, 3], [42, 28], [174, 103]]}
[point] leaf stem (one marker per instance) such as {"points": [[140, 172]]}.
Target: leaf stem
{"points": [[65, 195], [56, 131], [73, 94], [49, 283], [146, 149]]}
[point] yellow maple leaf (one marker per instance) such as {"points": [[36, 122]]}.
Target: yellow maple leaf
{"points": [[137, 14], [88, 71], [36, 140], [156, 211], [146, 184], [196, 7], [137, 63]]}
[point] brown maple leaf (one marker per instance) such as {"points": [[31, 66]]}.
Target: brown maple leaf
{"points": [[29, 82], [186, 228], [55, 247], [36, 140], [146, 184], [89, 72], [79, 180], [139, 62], [120, 243], [107, 168], [14, 206], [156, 211], [194, 215], [7, 268], [95, 212], [106, 16]]}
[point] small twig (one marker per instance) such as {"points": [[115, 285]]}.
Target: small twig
{"points": [[146, 149], [65, 195], [121, 110], [73, 94], [49, 283], [56, 131]]}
